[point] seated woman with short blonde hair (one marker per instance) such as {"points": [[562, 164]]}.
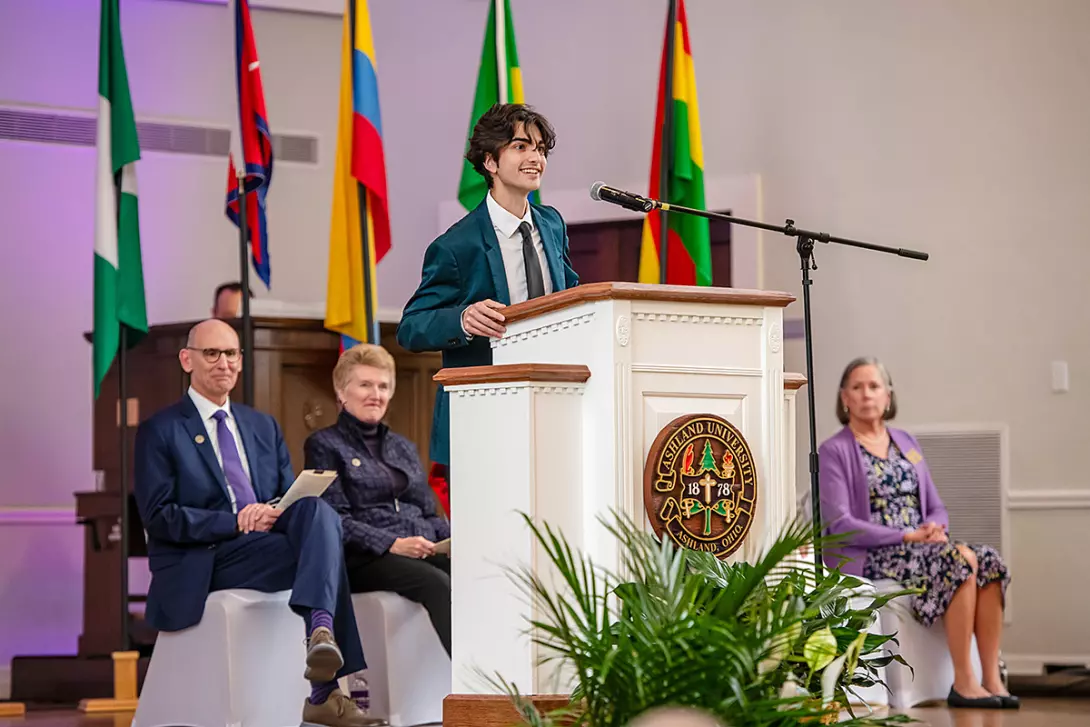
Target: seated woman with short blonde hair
{"points": [[388, 512], [875, 485]]}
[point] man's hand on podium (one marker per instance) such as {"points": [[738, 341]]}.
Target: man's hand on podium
{"points": [[414, 547], [484, 319]]}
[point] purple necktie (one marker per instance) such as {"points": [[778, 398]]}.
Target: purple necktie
{"points": [[232, 463]]}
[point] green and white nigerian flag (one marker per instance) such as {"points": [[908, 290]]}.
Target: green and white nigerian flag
{"points": [[119, 276]]}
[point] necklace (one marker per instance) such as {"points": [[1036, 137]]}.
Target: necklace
{"points": [[874, 441], [880, 436]]}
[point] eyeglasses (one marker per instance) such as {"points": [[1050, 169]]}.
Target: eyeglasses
{"points": [[212, 355]]}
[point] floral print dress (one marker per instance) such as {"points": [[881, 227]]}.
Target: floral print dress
{"points": [[939, 568]]}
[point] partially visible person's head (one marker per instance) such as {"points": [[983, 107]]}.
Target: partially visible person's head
{"points": [[866, 393], [675, 717], [510, 147], [212, 358], [227, 301], [364, 379]]}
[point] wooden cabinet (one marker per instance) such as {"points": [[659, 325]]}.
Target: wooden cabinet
{"points": [[610, 251]]}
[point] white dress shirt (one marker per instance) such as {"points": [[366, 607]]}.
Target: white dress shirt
{"points": [[506, 226], [207, 409]]}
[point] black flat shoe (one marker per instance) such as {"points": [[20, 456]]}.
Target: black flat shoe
{"points": [[957, 701], [1009, 701]]}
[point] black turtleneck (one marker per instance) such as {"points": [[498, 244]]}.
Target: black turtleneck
{"points": [[371, 435]]}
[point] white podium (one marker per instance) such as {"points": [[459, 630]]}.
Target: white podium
{"points": [[560, 427]]}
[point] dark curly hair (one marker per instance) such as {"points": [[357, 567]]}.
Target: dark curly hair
{"points": [[496, 128]]}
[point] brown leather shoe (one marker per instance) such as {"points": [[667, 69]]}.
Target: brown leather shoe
{"points": [[323, 656], [337, 711]]}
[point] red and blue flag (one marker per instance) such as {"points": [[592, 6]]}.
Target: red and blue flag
{"points": [[251, 142]]}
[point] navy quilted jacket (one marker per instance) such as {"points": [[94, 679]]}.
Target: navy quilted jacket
{"points": [[372, 513]]}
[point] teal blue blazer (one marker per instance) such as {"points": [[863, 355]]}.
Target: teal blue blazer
{"points": [[461, 267]]}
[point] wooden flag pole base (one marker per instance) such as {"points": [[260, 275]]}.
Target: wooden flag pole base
{"points": [[12, 709], [124, 699], [495, 710]]}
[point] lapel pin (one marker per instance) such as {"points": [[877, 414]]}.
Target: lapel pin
{"points": [[355, 462], [199, 439]]}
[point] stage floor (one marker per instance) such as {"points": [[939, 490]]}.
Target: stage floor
{"points": [[1035, 712]]}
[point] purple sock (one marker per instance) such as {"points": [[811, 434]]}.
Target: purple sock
{"points": [[319, 618], [320, 691]]}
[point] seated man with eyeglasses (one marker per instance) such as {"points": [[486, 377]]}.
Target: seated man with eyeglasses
{"points": [[208, 472]]}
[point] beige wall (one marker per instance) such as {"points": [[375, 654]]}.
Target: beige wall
{"points": [[958, 127]]}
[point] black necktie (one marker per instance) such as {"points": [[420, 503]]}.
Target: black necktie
{"points": [[535, 284]]}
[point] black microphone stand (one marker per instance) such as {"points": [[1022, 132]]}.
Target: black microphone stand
{"points": [[805, 240]]}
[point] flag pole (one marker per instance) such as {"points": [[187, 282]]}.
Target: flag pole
{"points": [[666, 152], [123, 423], [503, 91], [371, 316], [244, 279], [125, 661], [368, 266]]}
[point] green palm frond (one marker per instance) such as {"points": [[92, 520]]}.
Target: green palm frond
{"points": [[678, 627]]}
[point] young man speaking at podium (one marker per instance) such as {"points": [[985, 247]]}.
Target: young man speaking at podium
{"points": [[505, 251]]}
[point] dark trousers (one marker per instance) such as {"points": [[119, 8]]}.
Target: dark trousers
{"points": [[303, 552], [424, 581]]}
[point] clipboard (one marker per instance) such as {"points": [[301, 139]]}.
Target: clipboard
{"points": [[309, 483]]}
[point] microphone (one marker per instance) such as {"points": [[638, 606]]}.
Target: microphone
{"points": [[600, 192]]}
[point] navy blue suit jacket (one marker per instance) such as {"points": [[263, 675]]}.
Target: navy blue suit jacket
{"points": [[464, 266], [183, 499]]}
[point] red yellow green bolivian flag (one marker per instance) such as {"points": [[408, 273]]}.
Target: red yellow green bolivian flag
{"points": [[677, 165]]}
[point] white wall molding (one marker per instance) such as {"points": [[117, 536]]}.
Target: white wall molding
{"points": [[1017, 499], [38, 515], [1034, 664], [1050, 499]]}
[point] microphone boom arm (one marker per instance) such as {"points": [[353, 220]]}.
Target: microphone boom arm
{"points": [[791, 231], [805, 240]]}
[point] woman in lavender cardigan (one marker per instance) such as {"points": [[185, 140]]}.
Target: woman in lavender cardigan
{"points": [[876, 486]]}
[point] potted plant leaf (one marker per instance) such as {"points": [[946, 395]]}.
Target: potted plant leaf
{"points": [[761, 644]]}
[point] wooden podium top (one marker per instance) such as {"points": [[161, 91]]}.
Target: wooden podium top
{"points": [[506, 373], [642, 291]]}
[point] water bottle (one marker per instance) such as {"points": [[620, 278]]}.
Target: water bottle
{"points": [[358, 692]]}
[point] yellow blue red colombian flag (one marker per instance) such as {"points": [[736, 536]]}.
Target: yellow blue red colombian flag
{"points": [[359, 234]]}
